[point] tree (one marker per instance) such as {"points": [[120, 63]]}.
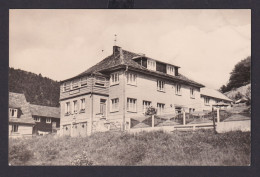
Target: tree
{"points": [[240, 75]]}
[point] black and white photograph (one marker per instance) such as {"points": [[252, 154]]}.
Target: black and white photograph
{"points": [[129, 87]]}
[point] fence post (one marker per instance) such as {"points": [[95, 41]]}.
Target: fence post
{"points": [[218, 118], [153, 120], [184, 118], [214, 125]]}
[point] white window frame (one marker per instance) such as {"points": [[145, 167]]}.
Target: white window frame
{"points": [[13, 112], [15, 128], [170, 70], [37, 119], [114, 105], [192, 93], [131, 104], [160, 85], [48, 120], [178, 89], [114, 78], [146, 105], [67, 108], [74, 107], [82, 104], [206, 101], [160, 108], [151, 64], [131, 78]]}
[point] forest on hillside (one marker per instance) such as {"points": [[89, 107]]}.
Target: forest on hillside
{"points": [[240, 75], [37, 89]]}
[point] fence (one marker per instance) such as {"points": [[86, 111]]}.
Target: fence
{"points": [[183, 120]]}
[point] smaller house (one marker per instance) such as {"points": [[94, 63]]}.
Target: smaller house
{"points": [[21, 122], [47, 119], [211, 97]]}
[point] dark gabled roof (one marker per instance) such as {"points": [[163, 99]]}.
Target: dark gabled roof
{"points": [[45, 111], [18, 101], [114, 61]]}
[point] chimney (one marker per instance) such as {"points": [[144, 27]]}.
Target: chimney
{"points": [[118, 51]]}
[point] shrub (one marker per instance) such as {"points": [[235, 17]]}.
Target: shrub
{"points": [[19, 154], [82, 160]]}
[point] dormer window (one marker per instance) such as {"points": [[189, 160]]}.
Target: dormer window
{"points": [[151, 64], [13, 112], [170, 70]]}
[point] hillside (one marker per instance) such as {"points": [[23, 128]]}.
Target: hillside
{"points": [[232, 94], [37, 89], [202, 147]]}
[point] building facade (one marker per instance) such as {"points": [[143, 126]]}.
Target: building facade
{"points": [[21, 122], [47, 119], [120, 87], [26, 119], [210, 97]]}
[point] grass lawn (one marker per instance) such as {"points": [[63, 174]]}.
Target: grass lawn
{"points": [[197, 148]]}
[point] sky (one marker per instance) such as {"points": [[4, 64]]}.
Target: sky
{"points": [[60, 44]]}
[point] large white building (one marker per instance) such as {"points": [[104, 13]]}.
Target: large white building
{"points": [[121, 87]]}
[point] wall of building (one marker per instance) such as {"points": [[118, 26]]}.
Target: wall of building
{"points": [[85, 89], [23, 130], [146, 89], [43, 126]]}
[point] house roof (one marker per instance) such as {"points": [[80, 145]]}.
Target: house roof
{"points": [[18, 101], [116, 60], [45, 111], [214, 93]]}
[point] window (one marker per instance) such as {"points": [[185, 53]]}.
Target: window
{"points": [[83, 81], [75, 83], [114, 79], [103, 106], [160, 85], [48, 120], [12, 112], [192, 93], [67, 108], [151, 64], [82, 105], [114, 105], [131, 104], [131, 78], [206, 100], [146, 105], [170, 70], [14, 128], [66, 86], [160, 108], [75, 107], [178, 89], [37, 119], [100, 81]]}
